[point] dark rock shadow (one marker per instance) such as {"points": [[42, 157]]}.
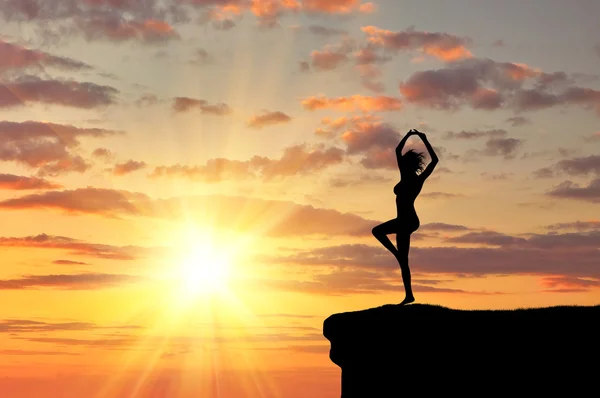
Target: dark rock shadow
{"points": [[427, 350]]}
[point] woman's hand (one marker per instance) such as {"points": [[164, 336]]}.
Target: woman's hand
{"points": [[421, 135]]}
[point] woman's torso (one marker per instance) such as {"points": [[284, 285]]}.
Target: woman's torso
{"points": [[406, 193]]}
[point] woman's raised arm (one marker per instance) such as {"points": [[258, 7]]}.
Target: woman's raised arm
{"points": [[403, 141]]}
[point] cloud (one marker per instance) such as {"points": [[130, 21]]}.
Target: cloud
{"points": [[593, 138], [130, 166], [368, 136], [355, 181], [89, 281], [102, 153], [13, 56], [184, 104], [438, 226], [68, 262], [325, 31], [374, 140], [201, 57], [295, 160], [467, 135], [497, 176], [327, 59], [35, 353], [271, 218], [268, 119], [597, 49], [330, 127], [50, 147], [540, 255], [34, 326], [73, 246], [571, 190], [147, 100], [486, 84], [349, 282], [31, 89], [353, 103], [440, 195], [563, 283], [115, 21], [505, 147], [334, 6], [118, 29], [106, 202], [517, 121], [576, 225], [580, 166], [13, 182], [491, 238], [443, 46], [268, 12]]}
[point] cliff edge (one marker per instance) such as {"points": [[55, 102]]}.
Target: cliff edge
{"points": [[420, 350]]}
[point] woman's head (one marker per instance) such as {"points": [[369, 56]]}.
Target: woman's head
{"points": [[413, 161]]}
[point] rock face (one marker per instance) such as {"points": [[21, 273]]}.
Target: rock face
{"points": [[424, 350]]}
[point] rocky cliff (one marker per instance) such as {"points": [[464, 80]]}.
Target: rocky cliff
{"points": [[425, 350]]}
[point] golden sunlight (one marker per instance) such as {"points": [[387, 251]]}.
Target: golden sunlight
{"points": [[205, 268]]}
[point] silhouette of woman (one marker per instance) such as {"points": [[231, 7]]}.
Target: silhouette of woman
{"points": [[406, 191]]}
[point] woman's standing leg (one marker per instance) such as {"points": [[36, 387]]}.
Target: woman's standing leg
{"points": [[403, 244]]}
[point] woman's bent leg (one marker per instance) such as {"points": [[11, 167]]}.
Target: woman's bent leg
{"points": [[382, 230]]}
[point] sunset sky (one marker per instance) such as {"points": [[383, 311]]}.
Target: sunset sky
{"points": [[188, 187]]}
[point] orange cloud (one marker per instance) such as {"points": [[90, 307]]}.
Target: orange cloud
{"points": [[327, 60], [107, 202], [268, 12], [18, 183], [48, 146], [440, 45], [183, 104], [331, 6], [267, 119], [88, 281], [128, 167], [296, 160], [74, 246], [353, 103], [231, 212], [86, 95], [367, 8], [13, 56]]}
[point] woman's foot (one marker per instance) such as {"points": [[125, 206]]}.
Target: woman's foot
{"points": [[407, 300]]}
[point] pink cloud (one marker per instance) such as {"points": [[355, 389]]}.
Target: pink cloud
{"points": [[295, 160], [88, 281], [73, 246], [19, 183], [70, 93], [268, 119], [184, 104], [13, 56], [353, 103], [486, 84], [50, 147], [439, 45], [130, 166], [107, 202], [119, 29]]}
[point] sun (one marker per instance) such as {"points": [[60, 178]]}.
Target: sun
{"points": [[204, 265], [205, 269]]}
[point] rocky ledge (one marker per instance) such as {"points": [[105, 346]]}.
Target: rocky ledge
{"points": [[427, 350]]}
